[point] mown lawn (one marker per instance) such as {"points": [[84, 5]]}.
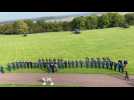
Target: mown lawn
{"points": [[117, 43]]}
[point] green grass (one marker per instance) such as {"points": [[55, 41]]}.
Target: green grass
{"points": [[36, 70], [117, 43], [87, 71], [68, 70]]}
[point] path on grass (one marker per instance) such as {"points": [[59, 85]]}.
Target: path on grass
{"points": [[88, 80]]}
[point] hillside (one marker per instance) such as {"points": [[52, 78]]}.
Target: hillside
{"points": [[116, 43]]}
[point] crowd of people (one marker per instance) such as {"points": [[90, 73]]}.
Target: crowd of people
{"points": [[52, 65], [60, 63]]}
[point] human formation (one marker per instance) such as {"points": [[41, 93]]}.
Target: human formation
{"points": [[53, 64]]}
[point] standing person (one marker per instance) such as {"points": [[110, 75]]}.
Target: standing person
{"points": [[76, 63], [118, 65], [52, 67], [111, 64], [65, 64], [125, 70], [107, 64], [122, 66], [91, 63], [98, 62], [9, 67], [115, 66], [86, 62], [81, 63]]}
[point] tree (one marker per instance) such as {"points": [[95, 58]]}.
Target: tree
{"points": [[30, 25], [66, 26], [6, 29], [129, 18], [78, 22], [115, 19], [20, 27], [103, 21], [91, 22]]}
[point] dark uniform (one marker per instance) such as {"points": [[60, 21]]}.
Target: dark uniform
{"points": [[2, 69], [58, 63], [111, 64], [107, 64], [87, 62], [61, 63], [103, 62], [52, 67], [39, 63], [43, 63], [72, 63], [120, 66], [49, 68], [81, 63], [69, 64], [115, 66], [9, 67], [92, 62], [65, 64], [17, 66], [95, 63], [13, 66], [98, 63], [76, 63]]}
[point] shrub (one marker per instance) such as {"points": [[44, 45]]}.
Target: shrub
{"points": [[124, 25]]}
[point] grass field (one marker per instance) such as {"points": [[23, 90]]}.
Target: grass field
{"points": [[68, 70], [117, 43]]}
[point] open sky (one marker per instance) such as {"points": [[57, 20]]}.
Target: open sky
{"points": [[5, 16]]}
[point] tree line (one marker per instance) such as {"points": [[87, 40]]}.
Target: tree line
{"points": [[107, 20]]}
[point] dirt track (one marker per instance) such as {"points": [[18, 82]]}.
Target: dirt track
{"points": [[88, 80]]}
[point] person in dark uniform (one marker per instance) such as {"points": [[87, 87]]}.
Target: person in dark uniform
{"points": [[25, 65], [55, 67], [52, 67], [81, 63], [92, 62], [107, 64], [61, 63], [119, 65], [39, 63], [43, 63], [65, 64], [69, 64], [86, 62], [16, 63], [49, 68], [111, 64], [2, 69], [95, 63], [98, 63], [30, 63], [72, 62], [76, 63], [104, 62], [13, 66], [115, 66], [58, 63], [9, 67], [125, 70]]}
